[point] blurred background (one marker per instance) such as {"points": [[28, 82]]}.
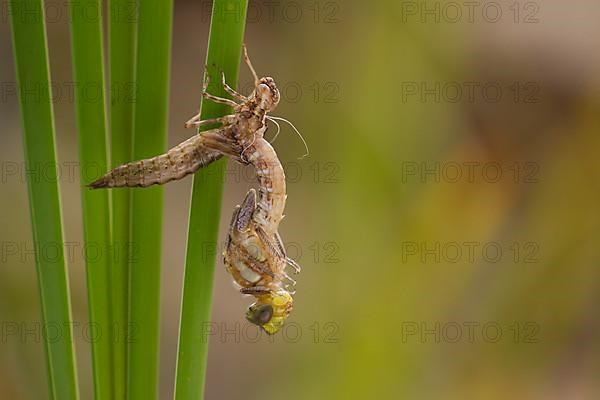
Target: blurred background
{"points": [[446, 219]]}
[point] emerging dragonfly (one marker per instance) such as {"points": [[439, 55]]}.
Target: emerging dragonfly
{"points": [[254, 253]]}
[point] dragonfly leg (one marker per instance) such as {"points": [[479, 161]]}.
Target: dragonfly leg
{"points": [[255, 290], [219, 100], [295, 266], [249, 64], [289, 278], [196, 122], [216, 99], [231, 90], [279, 243]]}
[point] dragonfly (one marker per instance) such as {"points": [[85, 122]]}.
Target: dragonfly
{"points": [[254, 254]]}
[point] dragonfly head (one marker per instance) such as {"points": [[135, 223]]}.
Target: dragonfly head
{"points": [[267, 94], [271, 310]]}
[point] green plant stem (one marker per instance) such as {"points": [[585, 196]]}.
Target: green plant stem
{"points": [[224, 51], [31, 58], [88, 61], [150, 123], [122, 35]]}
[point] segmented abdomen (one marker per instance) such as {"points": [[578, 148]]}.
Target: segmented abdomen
{"points": [[183, 159], [271, 180]]}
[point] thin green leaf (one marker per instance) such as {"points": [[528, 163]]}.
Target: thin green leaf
{"points": [[122, 39], [88, 70], [224, 51], [151, 109], [31, 58]]}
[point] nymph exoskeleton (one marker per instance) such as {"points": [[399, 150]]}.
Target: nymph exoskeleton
{"points": [[237, 131], [254, 254]]}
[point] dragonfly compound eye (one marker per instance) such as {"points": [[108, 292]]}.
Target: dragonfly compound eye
{"points": [[260, 315]]}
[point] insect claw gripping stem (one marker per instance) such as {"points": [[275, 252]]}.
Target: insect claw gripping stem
{"points": [[195, 121], [216, 99], [232, 92], [254, 253], [220, 100]]}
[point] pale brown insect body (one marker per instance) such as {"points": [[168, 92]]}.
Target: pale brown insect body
{"points": [[237, 132], [254, 255]]}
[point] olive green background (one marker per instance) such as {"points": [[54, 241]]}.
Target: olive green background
{"points": [[446, 219]]}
